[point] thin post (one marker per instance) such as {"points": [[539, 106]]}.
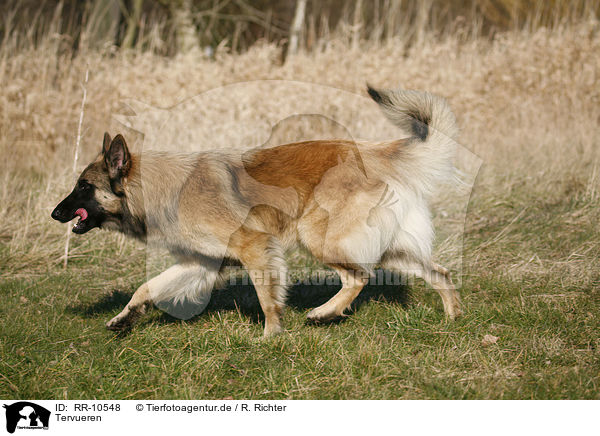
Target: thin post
{"points": [[75, 159]]}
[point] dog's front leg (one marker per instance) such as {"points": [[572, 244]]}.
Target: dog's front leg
{"points": [[262, 256], [136, 307], [181, 282]]}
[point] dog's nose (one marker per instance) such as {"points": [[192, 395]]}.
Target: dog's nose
{"points": [[56, 214]]}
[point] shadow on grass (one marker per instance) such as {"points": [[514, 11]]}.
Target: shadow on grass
{"points": [[300, 297], [107, 303], [243, 298]]}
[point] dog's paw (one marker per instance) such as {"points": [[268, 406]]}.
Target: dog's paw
{"points": [[457, 312], [323, 314], [119, 323], [272, 331]]}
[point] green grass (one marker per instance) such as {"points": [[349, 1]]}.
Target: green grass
{"points": [[396, 344]]}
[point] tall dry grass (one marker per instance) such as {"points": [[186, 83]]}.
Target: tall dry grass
{"points": [[527, 101]]}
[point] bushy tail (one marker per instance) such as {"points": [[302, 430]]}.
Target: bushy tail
{"points": [[428, 119]]}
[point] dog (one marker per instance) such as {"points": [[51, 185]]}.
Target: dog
{"points": [[353, 205]]}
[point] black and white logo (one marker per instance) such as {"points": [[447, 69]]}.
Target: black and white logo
{"points": [[26, 415]]}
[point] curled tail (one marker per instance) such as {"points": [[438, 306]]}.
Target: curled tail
{"points": [[428, 119]]}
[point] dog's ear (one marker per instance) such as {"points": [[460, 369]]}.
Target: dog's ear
{"points": [[118, 163], [106, 143]]}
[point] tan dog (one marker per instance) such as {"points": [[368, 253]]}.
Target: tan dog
{"points": [[352, 205]]}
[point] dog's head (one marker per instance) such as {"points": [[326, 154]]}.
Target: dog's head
{"points": [[97, 198]]}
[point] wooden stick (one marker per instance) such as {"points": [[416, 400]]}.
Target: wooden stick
{"points": [[296, 28], [75, 159]]}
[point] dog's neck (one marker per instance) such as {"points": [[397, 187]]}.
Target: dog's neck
{"points": [[152, 191]]}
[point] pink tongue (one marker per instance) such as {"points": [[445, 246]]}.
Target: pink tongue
{"points": [[82, 213]]}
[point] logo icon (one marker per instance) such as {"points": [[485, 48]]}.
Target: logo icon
{"points": [[26, 415]]}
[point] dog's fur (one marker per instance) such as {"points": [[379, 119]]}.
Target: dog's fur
{"points": [[352, 205]]}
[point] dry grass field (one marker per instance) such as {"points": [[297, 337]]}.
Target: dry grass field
{"points": [[528, 104]]}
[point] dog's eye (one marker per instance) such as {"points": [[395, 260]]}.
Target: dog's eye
{"points": [[83, 186]]}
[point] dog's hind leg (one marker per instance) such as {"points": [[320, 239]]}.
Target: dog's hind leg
{"points": [[446, 289], [438, 278], [262, 256], [435, 275], [352, 283]]}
